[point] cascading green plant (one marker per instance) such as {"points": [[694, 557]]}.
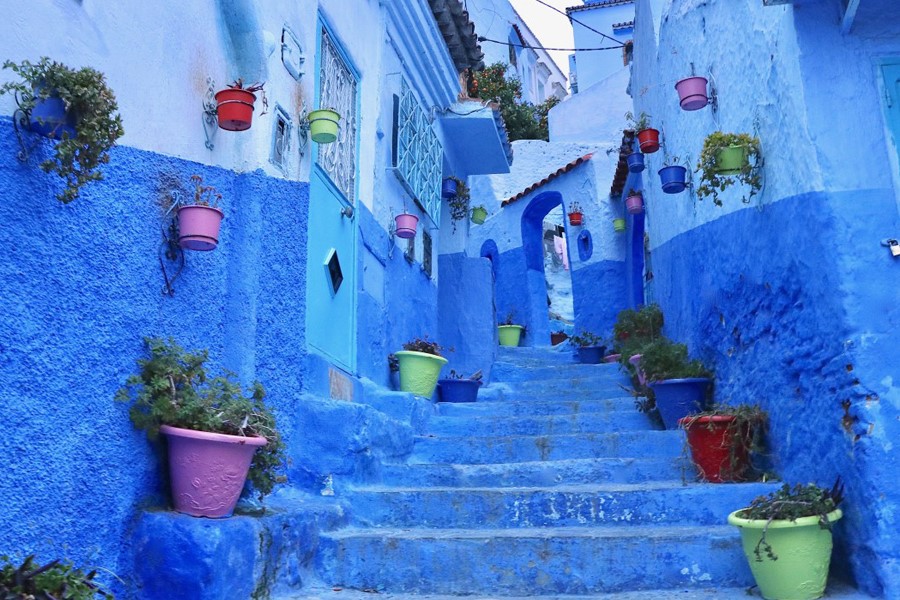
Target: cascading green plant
{"points": [[56, 580], [713, 180]]}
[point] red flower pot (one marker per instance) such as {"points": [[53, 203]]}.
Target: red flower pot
{"points": [[711, 440], [235, 109], [649, 140], [575, 218], [558, 338], [198, 227]]}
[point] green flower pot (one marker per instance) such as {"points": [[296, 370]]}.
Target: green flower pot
{"points": [[509, 334], [803, 550], [323, 126], [419, 371], [478, 215], [730, 160], [618, 225]]}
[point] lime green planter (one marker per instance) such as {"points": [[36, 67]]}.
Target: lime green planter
{"points": [[479, 214], [803, 550], [730, 160], [618, 225], [419, 371], [323, 125], [509, 334]]}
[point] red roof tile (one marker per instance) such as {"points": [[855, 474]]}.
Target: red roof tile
{"points": [[547, 179]]}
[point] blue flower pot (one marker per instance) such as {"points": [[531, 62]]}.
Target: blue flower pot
{"points": [[459, 390], [635, 162], [49, 118], [591, 355], [448, 188], [673, 179], [677, 398]]}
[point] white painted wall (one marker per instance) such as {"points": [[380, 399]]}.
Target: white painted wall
{"points": [[595, 66]]}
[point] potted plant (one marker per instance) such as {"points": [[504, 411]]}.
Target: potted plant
{"points": [[576, 216], [217, 437], [679, 385], [77, 109], [406, 225], [727, 158], [419, 364], [509, 333], [558, 337], [635, 162], [633, 330], [787, 539], [721, 440], [589, 347], [692, 93], [235, 104], [479, 214], [673, 177], [619, 225], [648, 138], [459, 201], [199, 221], [449, 186], [634, 203], [457, 388], [54, 580], [323, 125]]}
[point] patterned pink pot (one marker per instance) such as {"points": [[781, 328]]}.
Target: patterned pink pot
{"points": [[208, 470]]}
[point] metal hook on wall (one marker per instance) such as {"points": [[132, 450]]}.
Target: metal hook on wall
{"points": [[169, 249]]}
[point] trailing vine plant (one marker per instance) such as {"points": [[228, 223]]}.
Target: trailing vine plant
{"points": [[459, 204], [713, 180]]}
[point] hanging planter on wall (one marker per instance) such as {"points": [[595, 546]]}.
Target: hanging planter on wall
{"points": [[406, 225], [323, 125], [647, 136], [479, 214], [729, 158], [634, 203], [448, 187], [692, 93], [673, 179], [199, 222], [618, 225], [635, 162], [234, 109], [576, 216]]}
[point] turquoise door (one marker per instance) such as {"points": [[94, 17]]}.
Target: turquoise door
{"points": [[891, 74], [331, 286]]}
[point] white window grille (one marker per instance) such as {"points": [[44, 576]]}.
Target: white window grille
{"points": [[337, 90], [419, 155]]}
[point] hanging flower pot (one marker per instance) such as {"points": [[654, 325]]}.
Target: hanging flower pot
{"points": [[576, 218], [323, 125], [406, 225], [49, 117], [720, 446], [634, 203], [692, 93], [618, 225], [731, 159], [635, 162], [198, 227], [649, 140], [235, 107], [673, 179], [479, 214], [448, 188]]}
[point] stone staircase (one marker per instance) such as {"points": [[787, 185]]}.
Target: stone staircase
{"points": [[552, 484]]}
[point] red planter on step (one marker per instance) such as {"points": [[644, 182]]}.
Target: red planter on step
{"points": [[719, 447]]}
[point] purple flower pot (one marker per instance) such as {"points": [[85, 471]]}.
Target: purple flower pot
{"points": [[677, 398], [635, 162], [448, 188], [673, 178], [635, 204], [406, 225], [635, 361], [198, 227], [692, 93], [459, 390], [208, 470]]}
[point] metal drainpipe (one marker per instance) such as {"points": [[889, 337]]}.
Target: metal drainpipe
{"points": [[247, 42]]}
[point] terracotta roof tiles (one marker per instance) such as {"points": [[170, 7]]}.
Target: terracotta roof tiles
{"points": [[561, 171]]}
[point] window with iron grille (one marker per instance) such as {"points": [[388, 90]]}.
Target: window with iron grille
{"points": [[337, 90], [417, 154], [426, 253], [410, 253]]}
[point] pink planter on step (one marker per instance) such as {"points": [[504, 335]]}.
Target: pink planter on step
{"points": [[636, 362], [208, 470]]}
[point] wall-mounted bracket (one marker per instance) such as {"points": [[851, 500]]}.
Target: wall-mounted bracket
{"points": [[303, 130], [210, 111], [170, 250]]}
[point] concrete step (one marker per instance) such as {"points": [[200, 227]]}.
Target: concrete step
{"points": [[566, 388], [599, 422], [540, 473], [540, 561], [507, 372], [486, 450], [559, 506], [541, 356], [535, 406]]}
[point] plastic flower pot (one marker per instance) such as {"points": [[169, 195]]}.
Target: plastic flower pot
{"points": [[509, 334], [558, 338], [419, 371], [479, 214], [635, 162], [49, 118], [612, 358], [634, 204], [208, 470], [406, 225], [590, 355], [458, 390], [649, 140], [718, 455], [448, 188], [635, 361], [198, 227], [235, 109], [323, 125], [677, 398], [618, 225], [576, 218], [673, 179], [730, 160], [802, 549], [692, 93]]}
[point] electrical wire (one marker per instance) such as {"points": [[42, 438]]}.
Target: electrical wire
{"points": [[574, 20], [481, 38]]}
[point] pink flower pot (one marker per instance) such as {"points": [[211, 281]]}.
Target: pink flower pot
{"points": [[198, 227], [692, 93], [208, 470], [636, 362], [406, 225], [635, 204], [612, 358]]}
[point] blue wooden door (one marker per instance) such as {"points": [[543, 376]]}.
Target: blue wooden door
{"points": [[891, 74], [331, 286]]}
